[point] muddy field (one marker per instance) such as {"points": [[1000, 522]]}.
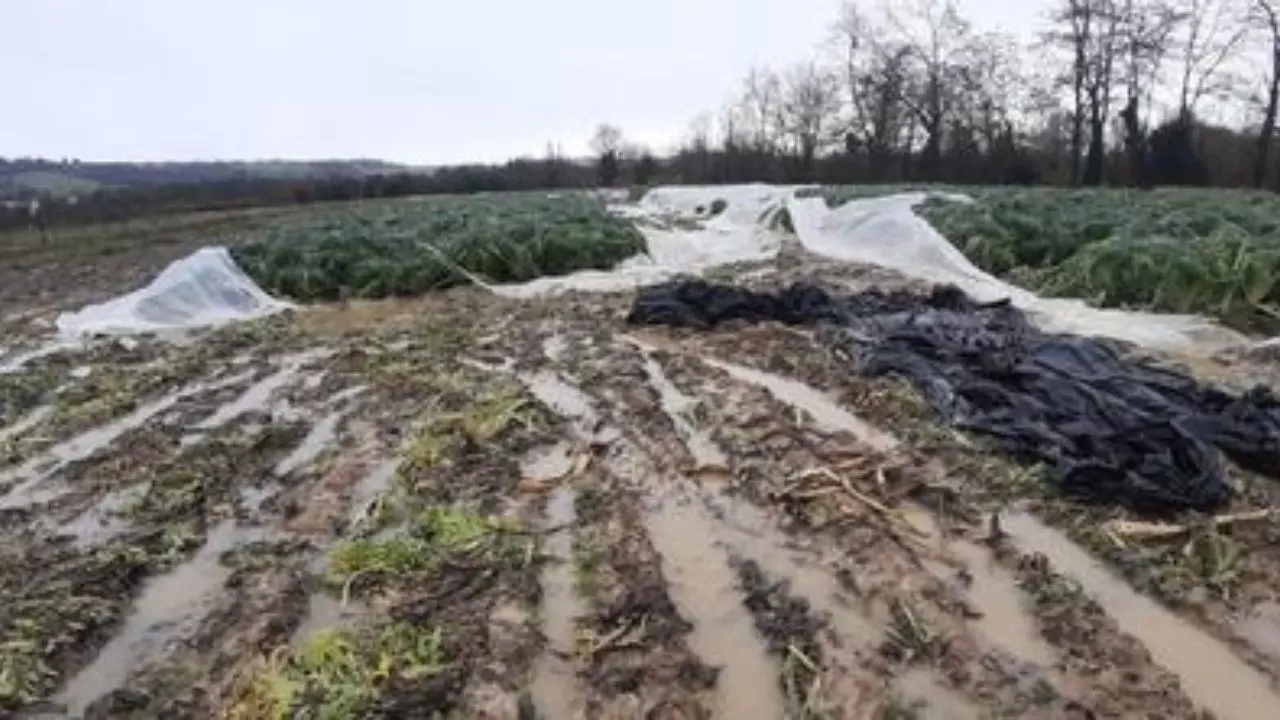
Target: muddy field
{"points": [[464, 506]]}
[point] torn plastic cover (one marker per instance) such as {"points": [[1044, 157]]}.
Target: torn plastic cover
{"points": [[1110, 429], [204, 289]]}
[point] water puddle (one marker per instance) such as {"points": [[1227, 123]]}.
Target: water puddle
{"points": [[252, 497], [325, 612], [171, 606], [322, 434], [1211, 674], [1261, 629], [825, 412], [554, 347], [923, 695], [30, 420], [258, 396], [371, 487], [705, 589], [16, 360], [1005, 619], [104, 520], [549, 463], [555, 685], [705, 452], [750, 533], [563, 398], [39, 468], [313, 381]]}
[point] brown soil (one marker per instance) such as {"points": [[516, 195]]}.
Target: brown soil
{"points": [[466, 506]]}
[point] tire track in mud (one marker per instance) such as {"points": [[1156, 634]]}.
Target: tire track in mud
{"points": [[555, 690], [1002, 678], [639, 655], [692, 529], [451, 423], [833, 672], [1117, 678], [1205, 668], [187, 589]]}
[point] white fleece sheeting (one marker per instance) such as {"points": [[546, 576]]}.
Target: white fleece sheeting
{"points": [[208, 289]]}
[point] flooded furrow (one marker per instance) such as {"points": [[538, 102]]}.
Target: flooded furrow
{"points": [[105, 519], [1005, 618], [40, 468], [14, 361], [556, 691], [705, 590], [564, 399], [258, 396], [919, 694], [322, 435], [171, 605], [706, 455], [1211, 675], [28, 421], [1260, 628], [750, 533], [825, 412], [370, 488], [325, 612], [700, 581]]}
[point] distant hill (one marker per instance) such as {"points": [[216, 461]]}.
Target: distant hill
{"points": [[25, 177]]}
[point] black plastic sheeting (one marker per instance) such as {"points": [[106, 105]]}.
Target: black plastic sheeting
{"points": [[1110, 429]]}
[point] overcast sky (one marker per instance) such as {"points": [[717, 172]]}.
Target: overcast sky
{"points": [[416, 81]]}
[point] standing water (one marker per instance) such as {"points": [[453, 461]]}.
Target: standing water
{"points": [[1211, 674]]}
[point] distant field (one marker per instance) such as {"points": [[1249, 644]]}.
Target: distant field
{"points": [[49, 182], [88, 263], [1214, 252]]}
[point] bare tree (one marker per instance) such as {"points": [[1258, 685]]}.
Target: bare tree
{"points": [[1146, 30], [1265, 17], [875, 85], [607, 144], [936, 37], [809, 103], [762, 109], [1092, 31], [1075, 30], [1213, 32]]}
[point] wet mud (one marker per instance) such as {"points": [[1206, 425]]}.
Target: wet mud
{"points": [[466, 505]]}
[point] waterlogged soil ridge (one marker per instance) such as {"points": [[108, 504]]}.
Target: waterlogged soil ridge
{"points": [[485, 507]]}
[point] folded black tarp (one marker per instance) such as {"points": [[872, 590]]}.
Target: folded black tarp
{"points": [[1110, 429]]}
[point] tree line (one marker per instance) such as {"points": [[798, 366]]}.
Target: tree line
{"points": [[1109, 92]]}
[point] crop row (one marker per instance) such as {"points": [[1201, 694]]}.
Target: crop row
{"points": [[401, 248], [1215, 252]]}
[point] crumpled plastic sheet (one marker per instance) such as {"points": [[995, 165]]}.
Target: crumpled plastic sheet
{"points": [[1109, 429], [204, 289]]}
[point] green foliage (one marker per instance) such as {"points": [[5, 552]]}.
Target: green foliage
{"points": [[436, 534], [1214, 252], [337, 674], [414, 246]]}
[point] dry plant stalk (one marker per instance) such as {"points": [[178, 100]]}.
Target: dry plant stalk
{"points": [[1137, 529]]}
